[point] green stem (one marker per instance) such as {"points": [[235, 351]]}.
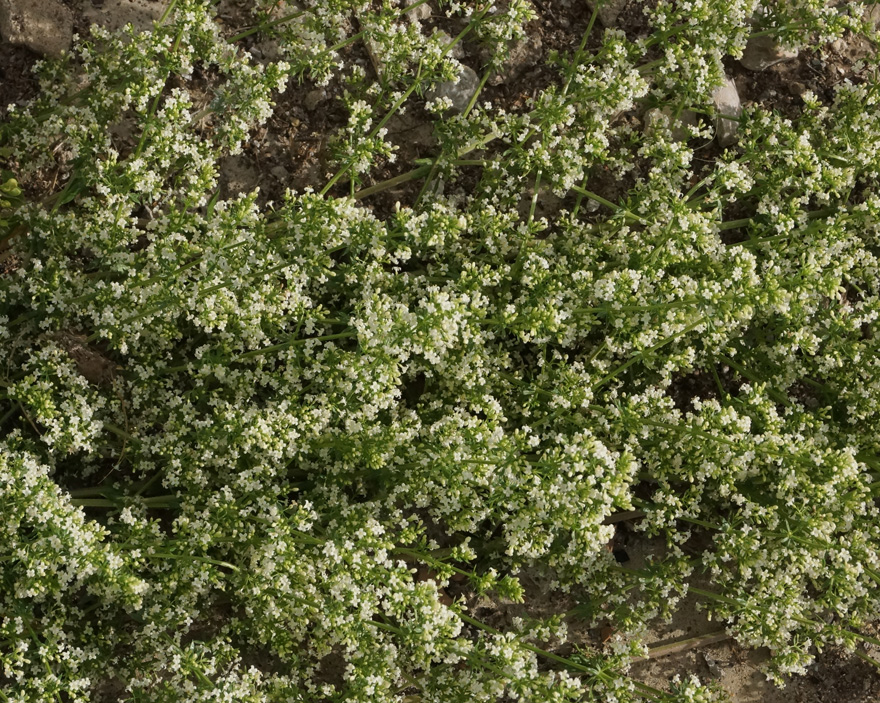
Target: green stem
{"points": [[266, 25], [204, 560], [394, 108], [118, 431], [413, 175], [641, 355], [607, 203], [711, 595], [869, 659], [266, 350], [409, 91], [778, 396], [169, 8]]}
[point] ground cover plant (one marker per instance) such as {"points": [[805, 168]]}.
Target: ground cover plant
{"points": [[262, 450]]}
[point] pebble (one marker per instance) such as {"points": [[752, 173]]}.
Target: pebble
{"points": [[115, 14], [280, 173], [521, 56], [726, 99], [872, 15], [686, 118], [609, 10], [314, 98], [269, 50], [712, 665], [457, 51], [763, 52], [237, 176], [411, 129], [419, 14], [459, 93], [43, 26]]}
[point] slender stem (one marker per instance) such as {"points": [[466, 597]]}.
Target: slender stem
{"points": [[204, 560], [778, 396], [409, 91], [643, 688], [685, 645], [413, 175], [118, 431], [169, 8], [641, 355], [266, 25], [394, 108], [607, 203], [869, 659]]}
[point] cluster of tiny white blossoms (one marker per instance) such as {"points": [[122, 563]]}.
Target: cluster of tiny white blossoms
{"points": [[274, 451]]}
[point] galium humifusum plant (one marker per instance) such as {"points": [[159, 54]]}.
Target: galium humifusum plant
{"points": [[236, 432]]}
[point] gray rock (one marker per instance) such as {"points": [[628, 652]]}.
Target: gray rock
{"points": [[280, 173], [872, 15], [375, 55], [726, 99], [314, 98], [609, 10], [237, 176], [763, 52], [115, 14], [43, 26], [712, 665], [419, 14], [459, 93], [269, 49], [521, 56], [407, 128], [680, 133], [457, 51], [797, 88]]}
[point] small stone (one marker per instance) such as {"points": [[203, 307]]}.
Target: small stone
{"points": [[43, 26], [314, 98], [457, 51], [797, 88], [762, 52], [237, 176], [838, 45], [522, 55], [872, 15], [375, 55], [420, 13], [269, 49], [459, 93], [115, 14], [280, 173], [409, 129], [726, 99], [679, 127], [609, 10], [712, 665]]}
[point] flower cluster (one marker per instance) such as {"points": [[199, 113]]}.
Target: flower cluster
{"points": [[277, 451]]}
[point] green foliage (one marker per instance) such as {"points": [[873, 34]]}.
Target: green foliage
{"points": [[264, 451]]}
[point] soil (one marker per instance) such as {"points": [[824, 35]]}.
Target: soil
{"points": [[290, 151]]}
